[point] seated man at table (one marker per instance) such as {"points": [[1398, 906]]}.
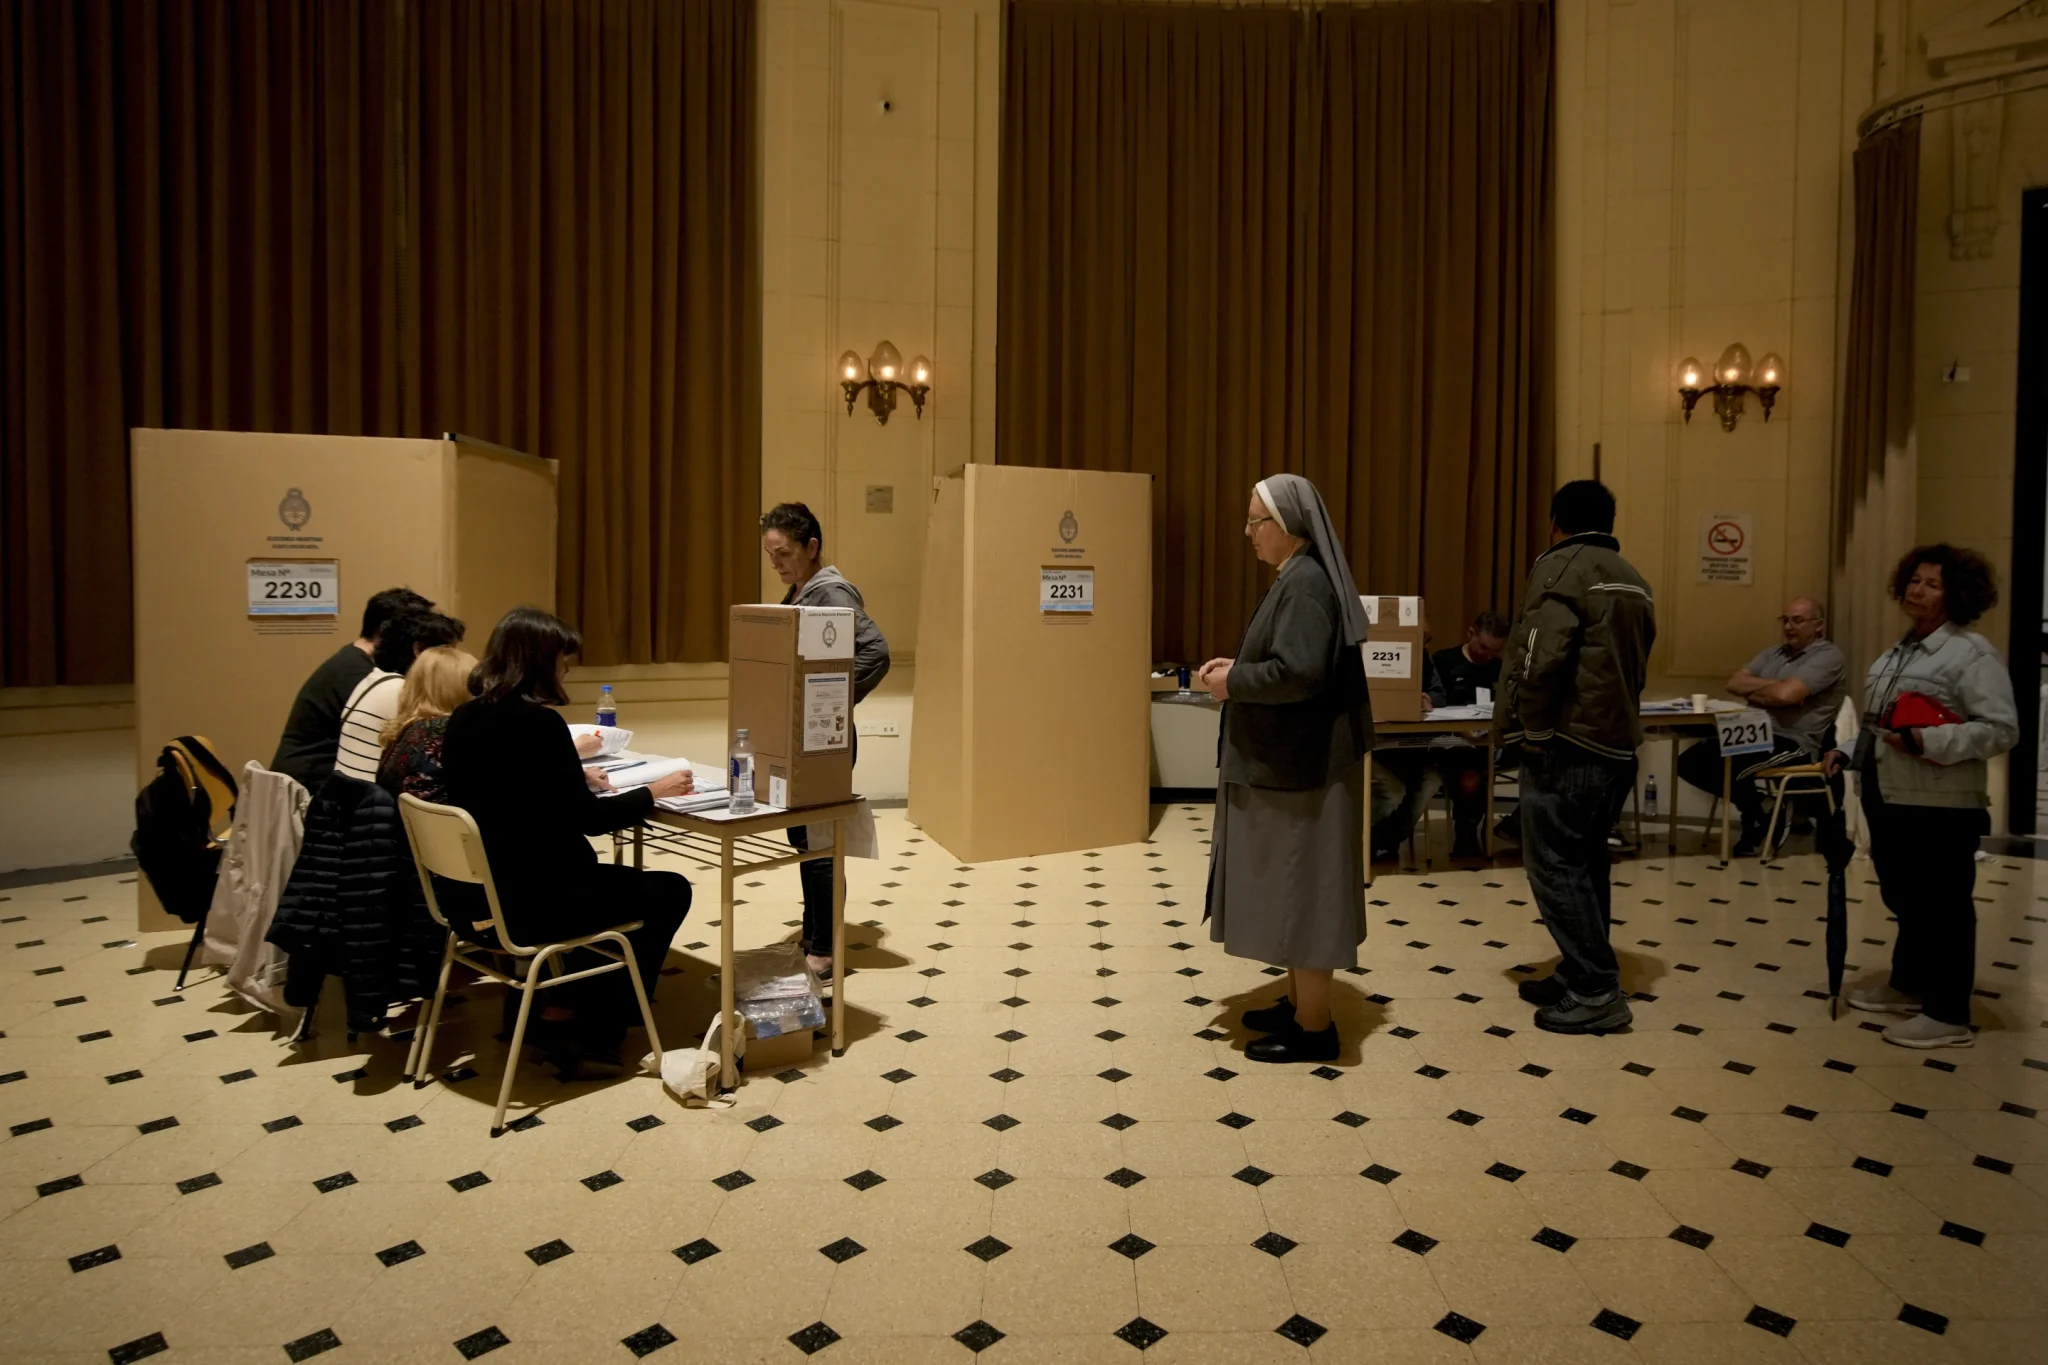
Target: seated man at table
{"points": [[1465, 670], [1799, 683]]}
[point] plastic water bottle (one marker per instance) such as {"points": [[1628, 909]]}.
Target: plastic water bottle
{"points": [[739, 777], [607, 709], [1650, 796]]}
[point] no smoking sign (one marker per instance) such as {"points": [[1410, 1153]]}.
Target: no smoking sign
{"points": [[1726, 547]]}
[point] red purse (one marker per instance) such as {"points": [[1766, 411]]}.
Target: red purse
{"points": [[1917, 710]]}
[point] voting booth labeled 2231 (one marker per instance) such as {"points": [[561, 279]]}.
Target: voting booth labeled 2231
{"points": [[1034, 663], [255, 553]]}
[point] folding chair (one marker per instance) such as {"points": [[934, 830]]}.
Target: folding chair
{"points": [[446, 843], [1794, 780]]}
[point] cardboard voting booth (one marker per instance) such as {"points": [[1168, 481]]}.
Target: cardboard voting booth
{"points": [[1393, 656], [1034, 663], [792, 692], [255, 553]]}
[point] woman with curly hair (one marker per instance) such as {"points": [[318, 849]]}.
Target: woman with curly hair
{"points": [[1939, 706]]}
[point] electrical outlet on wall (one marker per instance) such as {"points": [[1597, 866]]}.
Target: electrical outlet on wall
{"points": [[885, 729]]}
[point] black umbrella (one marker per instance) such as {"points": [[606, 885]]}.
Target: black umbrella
{"points": [[1837, 848]]}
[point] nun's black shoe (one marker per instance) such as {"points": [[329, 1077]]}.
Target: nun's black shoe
{"points": [[1295, 1045], [1277, 1017]]}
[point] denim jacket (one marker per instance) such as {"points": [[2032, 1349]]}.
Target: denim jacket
{"points": [[1959, 669]]}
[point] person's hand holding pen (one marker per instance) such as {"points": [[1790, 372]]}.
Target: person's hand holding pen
{"points": [[587, 746], [675, 784]]}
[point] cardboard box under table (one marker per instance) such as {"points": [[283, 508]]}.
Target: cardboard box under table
{"points": [[255, 552]]}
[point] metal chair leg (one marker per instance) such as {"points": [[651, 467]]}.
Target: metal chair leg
{"points": [[518, 1039], [417, 1051], [423, 1071], [191, 950], [639, 994]]}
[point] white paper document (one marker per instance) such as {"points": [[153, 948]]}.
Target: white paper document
{"points": [[652, 770], [1460, 713], [612, 738]]}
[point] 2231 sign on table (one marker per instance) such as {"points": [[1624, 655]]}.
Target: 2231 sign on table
{"points": [[1066, 590], [1744, 732], [294, 587]]}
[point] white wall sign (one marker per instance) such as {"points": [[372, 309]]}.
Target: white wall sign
{"points": [[1727, 547], [294, 587], [828, 697]]}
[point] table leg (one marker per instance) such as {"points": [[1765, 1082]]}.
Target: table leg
{"points": [[618, 848], [1673, 794], [1486, 827], [839, 938], [728, 1017], [1727, 802], [639, 847]]}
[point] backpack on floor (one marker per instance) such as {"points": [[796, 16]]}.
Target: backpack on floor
{"points": [[182, 819]]}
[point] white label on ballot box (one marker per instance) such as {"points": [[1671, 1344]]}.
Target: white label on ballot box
{"points": [[294, 587], [1066, 591], [1392, 659], [1743, 732], [825, 633], [828, 705]]}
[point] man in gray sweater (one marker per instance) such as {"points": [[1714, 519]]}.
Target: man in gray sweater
{"points": [[795, 545]]}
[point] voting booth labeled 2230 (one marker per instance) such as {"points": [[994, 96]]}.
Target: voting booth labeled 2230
{"points": [[1034, 663], [255, 553]]}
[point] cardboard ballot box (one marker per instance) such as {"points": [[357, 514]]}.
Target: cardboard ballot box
{"points": [[792, 692], [1393, 656]]}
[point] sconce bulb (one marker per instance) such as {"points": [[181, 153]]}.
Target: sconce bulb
{"points": [[1770, 371], [1733, 366], [921, 372], [1689, 373], [851, 367], [886, 363]]}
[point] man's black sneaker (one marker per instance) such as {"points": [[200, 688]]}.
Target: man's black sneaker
{"points": [[1295, 1046], [1573, 1015], [1274, 1018]]}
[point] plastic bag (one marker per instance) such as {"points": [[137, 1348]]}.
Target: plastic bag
{"points": [[691, 1073]]}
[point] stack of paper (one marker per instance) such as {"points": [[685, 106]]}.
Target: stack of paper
{"points": [[613, 738]]}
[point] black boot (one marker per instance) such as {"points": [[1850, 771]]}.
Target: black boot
{"points": [[1274, 1018], [1295, 1046]]}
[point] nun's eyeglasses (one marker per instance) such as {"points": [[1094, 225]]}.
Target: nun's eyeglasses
{"points": [[1252, 522]]}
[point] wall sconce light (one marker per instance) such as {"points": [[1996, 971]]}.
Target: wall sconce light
{"points": [[1733, 376], [883, 375]]}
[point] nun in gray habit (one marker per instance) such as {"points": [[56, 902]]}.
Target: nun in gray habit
{"points": [[1287, 864]]}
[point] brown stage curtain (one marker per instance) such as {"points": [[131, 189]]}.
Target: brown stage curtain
{"points": [[1236, 242], [195, 231], [588, 249], [1877, 475], [391, 218]]}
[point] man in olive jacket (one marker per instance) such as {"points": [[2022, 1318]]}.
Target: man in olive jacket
{"points": [[1571, 694]]}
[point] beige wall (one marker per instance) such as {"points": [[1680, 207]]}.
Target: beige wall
{"points": [[1703, 149], [876, 225]]}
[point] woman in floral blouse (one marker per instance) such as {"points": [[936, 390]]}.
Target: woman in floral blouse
{"points": [[437, 683]]}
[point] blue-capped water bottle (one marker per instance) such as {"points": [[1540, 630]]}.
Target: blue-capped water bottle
{"points": [[607, 709], [739, 777]]}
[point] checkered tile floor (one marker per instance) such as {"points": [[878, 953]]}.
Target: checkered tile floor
{"points": [[1045, 1144]]}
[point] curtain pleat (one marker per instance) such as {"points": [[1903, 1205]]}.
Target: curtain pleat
{"points": [[1237, 241], [1877, 473], [531, 221]]}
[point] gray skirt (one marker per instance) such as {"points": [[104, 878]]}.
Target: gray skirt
{"points": [[1287, 873]]}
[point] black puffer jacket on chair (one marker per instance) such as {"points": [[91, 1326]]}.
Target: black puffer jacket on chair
{"points": [[352, 908]]}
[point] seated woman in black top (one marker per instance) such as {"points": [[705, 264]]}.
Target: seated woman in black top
{"points": [[511, 763]]}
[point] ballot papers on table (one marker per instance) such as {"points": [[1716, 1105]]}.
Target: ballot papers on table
{"points": [[628, 773], [1460, 713], [612, 740]]}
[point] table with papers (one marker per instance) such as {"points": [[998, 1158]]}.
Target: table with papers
{"points": [[701, 828]]}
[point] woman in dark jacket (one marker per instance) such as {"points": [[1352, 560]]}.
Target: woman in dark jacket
{"points": [[512, 764], [1287, 866]]}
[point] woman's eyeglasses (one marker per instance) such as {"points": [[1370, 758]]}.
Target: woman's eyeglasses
{"points": [[1252, 522]]}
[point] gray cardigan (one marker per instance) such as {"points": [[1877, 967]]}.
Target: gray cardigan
{"points": [[829, 588], [1959, 669], [1298, 715]]}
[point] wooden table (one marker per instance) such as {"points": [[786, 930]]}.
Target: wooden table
{"points": [[736, 844], [1675, 725]]}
